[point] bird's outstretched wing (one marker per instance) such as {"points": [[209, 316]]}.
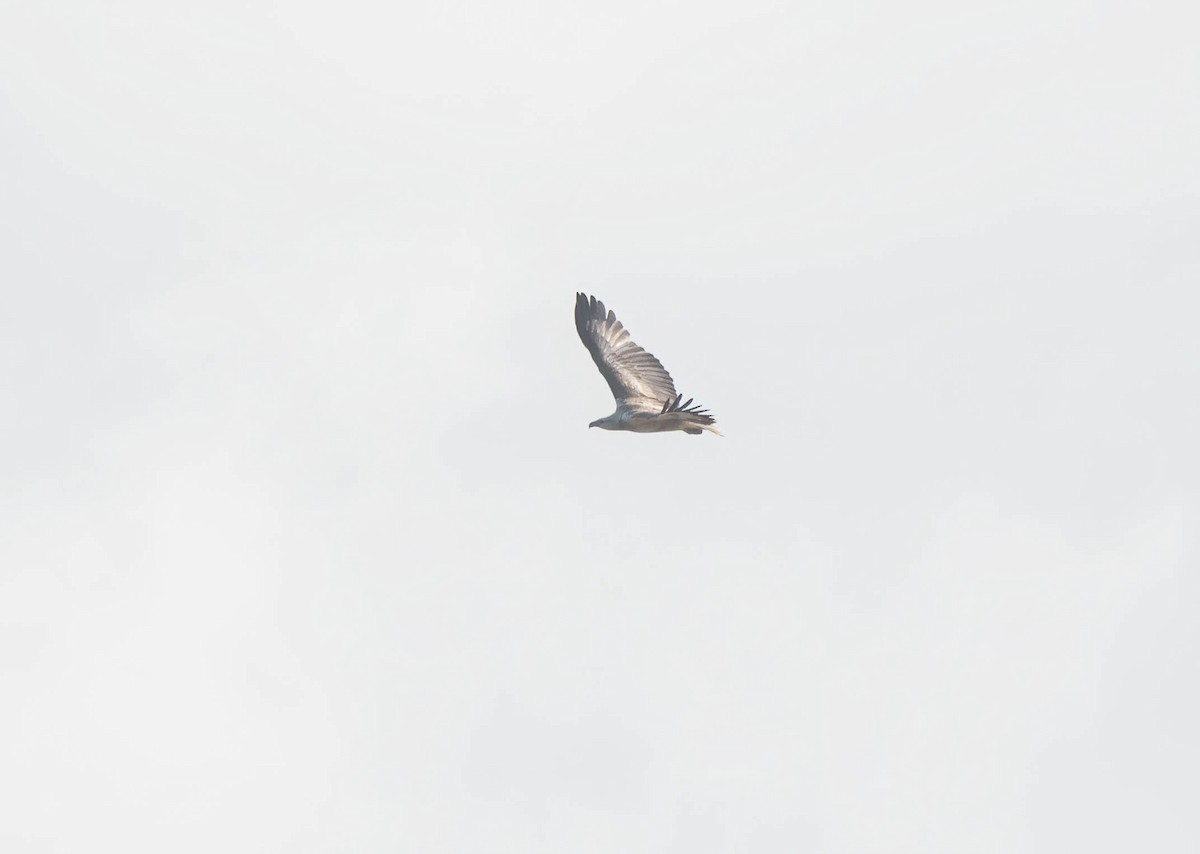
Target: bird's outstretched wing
{"points": [[636, 378]]}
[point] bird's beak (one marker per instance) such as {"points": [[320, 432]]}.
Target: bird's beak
{"points": [[593, 424]]}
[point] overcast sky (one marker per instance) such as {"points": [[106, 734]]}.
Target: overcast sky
{"points": [[306, 546]]}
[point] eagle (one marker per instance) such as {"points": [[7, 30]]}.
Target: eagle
{"points": [[645, 393]]}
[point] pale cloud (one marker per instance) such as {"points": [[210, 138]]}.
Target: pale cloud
{"points": [[307, 545]]}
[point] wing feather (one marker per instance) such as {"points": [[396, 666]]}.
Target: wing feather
{"points": [[636, 378]]}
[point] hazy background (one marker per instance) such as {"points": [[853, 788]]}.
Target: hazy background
{"points": [[305, 543]]}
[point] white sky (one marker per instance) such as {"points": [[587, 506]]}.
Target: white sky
{"points": [[306, 545]]}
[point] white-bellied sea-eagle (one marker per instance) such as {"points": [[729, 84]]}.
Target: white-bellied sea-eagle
{"points": [[645, 393]]}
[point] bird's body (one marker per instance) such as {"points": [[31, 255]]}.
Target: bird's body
{"points": [[644, 391]]}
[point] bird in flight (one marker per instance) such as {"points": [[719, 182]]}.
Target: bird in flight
{"points": [[645, 393]]}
